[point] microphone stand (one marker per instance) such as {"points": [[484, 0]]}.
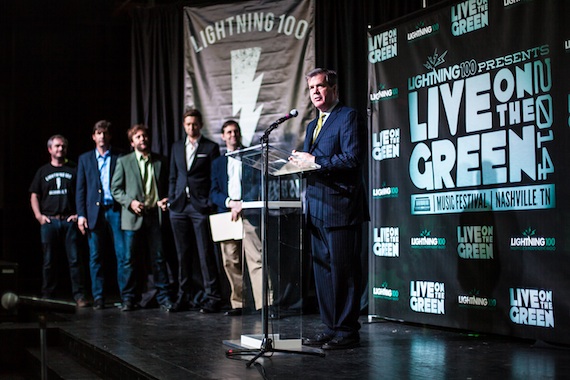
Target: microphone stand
{"points": [[267, 342], [42, 306], [43, 345]]}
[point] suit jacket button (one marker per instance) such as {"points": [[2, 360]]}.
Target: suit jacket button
{"points": [[98, 203]]}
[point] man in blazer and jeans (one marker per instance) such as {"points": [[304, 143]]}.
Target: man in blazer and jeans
{"points": [[139, 185], [99, 215], [189, 191]]}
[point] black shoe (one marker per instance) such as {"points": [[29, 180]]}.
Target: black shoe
{"points": [[341, 343], [81, 302], [273, 313], [167, 306], [210, 307], [317, 340], [177, 307], [233, 312], [98, 304], [255, 312], [127, 305]]}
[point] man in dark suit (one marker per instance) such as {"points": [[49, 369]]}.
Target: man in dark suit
{"points": [[227, 193], [99, 215], [336, 209], [139, 184], [189, 190]]}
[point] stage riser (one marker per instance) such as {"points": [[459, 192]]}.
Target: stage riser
{"points": [[68, 357], [13, 346], [101, 362], [61, 365]]}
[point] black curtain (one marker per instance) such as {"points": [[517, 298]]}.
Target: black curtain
{"points": [[340, 43], [157, 74], [63, 66]]}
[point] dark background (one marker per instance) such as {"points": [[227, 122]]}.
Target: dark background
{"points": [[66, 64]]}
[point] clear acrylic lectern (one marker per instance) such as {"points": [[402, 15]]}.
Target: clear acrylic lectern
{"points": [[279, 208]]}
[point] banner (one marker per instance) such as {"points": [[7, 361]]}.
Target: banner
{"points": [[247, 61], [470, 105]]}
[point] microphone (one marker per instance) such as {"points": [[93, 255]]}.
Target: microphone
{"points": [[11, 301], [265, 137], [292, 113]]}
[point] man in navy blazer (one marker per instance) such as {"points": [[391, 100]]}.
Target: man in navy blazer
{"points": [[336, 209], [99, 216], [190, 207]]}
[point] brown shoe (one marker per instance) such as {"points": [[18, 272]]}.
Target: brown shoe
{"points": [[82, 302]]}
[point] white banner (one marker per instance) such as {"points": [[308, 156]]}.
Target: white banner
{"points": [[247, 61]]}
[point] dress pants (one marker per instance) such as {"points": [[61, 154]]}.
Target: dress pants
{"points": [[191, 230], [233, 265], [338, 274]]}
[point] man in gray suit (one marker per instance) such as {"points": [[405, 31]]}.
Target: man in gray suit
{"points": [[139, 184]]}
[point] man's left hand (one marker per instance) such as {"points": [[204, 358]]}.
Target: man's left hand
{"points": [[298, 158], [163, 204]]}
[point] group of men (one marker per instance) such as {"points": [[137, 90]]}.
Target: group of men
{"points": [[122, 198], [119, 200]]}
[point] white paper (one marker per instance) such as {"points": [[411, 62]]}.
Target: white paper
{"points": [[224, 229]]}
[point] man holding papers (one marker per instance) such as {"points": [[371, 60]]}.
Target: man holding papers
{"points": [[227, 194]]}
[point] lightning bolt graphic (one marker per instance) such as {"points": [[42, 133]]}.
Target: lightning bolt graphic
{"points": [[245, 90]]}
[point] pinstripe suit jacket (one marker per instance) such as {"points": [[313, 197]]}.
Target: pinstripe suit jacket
{"points": [[335, 194]]}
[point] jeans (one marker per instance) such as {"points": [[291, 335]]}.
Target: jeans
{"points": [[59, 238], [151, 235], [98, 239]]}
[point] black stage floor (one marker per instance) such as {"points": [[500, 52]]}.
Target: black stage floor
{"points": [[147, 344]]}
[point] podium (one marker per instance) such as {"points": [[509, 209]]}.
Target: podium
{"points": [[277, 160], [280, 212]]}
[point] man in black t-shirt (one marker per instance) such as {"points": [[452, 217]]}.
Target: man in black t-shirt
{"points": [[52, 198]]}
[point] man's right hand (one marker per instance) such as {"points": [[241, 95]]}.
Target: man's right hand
{"points": [[82, 224], [137, 207], [236, 207], [42, 219]]}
